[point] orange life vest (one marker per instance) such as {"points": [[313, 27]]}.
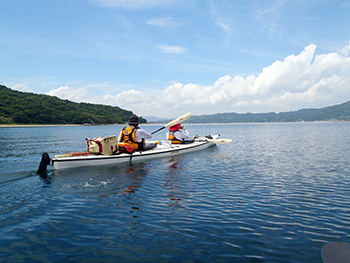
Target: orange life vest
{"points": [[128, 137], [173, 139]]}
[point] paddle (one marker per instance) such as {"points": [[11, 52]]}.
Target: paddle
{"points": [[336, 252], [222, 141], [45, 161], [176, 121]]}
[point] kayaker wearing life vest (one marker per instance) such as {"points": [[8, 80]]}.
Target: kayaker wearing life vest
{"points": [[175, 135], [135, 136]]}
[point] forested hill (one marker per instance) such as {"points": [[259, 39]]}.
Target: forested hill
{"points": [[27, 108], [333, 113]]}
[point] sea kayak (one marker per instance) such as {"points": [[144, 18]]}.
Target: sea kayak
{"points": [[162, 149]]}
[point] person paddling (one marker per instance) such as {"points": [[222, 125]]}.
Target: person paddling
{"points": [[178, 134], [135, 136]]}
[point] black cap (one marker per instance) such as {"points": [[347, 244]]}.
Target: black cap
{"points": [[133, 120]]}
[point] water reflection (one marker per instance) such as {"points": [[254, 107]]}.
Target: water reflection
{"points": [[137, 174], [46, 178]]}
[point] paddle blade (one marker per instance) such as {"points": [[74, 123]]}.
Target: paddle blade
{"points": [[222, 141], [45, 161], [173, 122], [178, 120]]}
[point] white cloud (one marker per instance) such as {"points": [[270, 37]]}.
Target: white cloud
{"points": [[133, 100], [224, 26], [128, 97], [79, 95], [167, 22], [21, 87], [299, 81], [346, 50], [172, 49]]}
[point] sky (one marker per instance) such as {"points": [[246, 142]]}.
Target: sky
{"points": [[165, 58]]}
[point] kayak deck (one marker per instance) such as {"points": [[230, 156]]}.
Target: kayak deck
{"points": [[163, 149]]}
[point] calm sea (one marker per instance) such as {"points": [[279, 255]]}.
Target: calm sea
{"points": [[277, 193]]}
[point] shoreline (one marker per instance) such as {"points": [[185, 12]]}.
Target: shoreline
{"points": [[82, 125], [36, 125], [61, 125]]}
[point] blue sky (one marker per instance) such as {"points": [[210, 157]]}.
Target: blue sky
{"points": [[167, 57]]}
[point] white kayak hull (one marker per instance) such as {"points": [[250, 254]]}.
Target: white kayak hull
{"points": [[165, 149]]}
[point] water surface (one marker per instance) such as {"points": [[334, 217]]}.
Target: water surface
{"points": [[277, 193]]}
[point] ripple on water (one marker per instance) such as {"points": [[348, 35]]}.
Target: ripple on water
{"points": [[278, 193]]}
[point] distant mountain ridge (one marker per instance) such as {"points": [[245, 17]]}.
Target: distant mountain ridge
{"points": [[339, 112], [155, 119], [18, 107]]}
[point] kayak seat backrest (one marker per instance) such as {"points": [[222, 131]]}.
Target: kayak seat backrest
{"points": [[125, 148]]}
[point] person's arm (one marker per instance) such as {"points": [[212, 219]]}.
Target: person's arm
{"points": [[182, 135], [185, 131], [142, 134]]}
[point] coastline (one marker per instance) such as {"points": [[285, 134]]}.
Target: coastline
{"points": [[59, 125], [79, 125], [36, 125]]}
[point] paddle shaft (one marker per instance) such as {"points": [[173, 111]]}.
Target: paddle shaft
{"points": [[158, 130]]}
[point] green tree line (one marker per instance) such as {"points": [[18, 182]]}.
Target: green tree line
{"points": [[27, 108], [18, 107], [333, 113]]}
